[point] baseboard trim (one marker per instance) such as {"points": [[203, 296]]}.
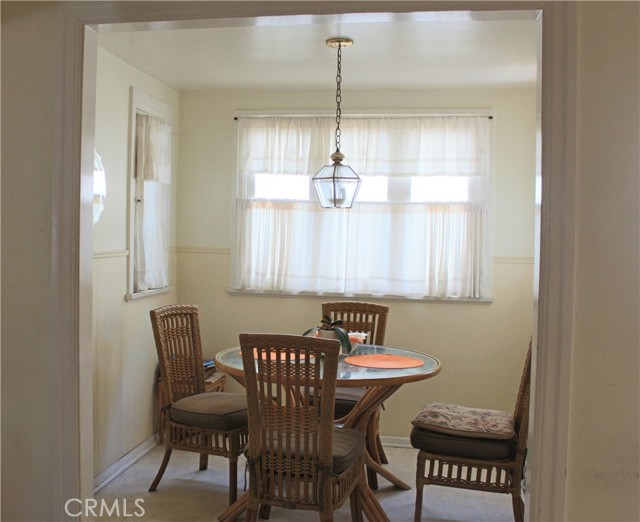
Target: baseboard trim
{"points": [[118, 467], [396, 442]]}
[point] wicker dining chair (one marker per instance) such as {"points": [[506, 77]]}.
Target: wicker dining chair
{"points": [[474, 448], [371, 319], [213, 423], [296, 458]]}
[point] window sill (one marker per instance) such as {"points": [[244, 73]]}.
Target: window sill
{"points": [[147, 293], [447, 300]]}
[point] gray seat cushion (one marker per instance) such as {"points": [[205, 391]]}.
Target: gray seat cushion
{"points": [[346, 398], [348, 445], [456, 446], [213, 410]]}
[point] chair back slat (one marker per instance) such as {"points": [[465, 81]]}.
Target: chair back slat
{"points": [[521, 412], [290, 434], [176, 330], [358, 316]]}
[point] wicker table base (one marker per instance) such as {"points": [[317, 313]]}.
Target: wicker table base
{"points": [[361, 417]]}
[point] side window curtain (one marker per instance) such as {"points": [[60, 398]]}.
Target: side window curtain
{"points": [[152, 180]]}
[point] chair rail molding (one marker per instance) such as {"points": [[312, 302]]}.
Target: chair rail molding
{"points": [[75, 49]]}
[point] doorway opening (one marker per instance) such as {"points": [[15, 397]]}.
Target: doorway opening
{"points": [[82, 251]]}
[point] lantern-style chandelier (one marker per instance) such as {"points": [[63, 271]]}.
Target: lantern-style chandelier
{"points": [[337, 184]]}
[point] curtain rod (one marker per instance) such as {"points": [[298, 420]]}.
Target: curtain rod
{"points": [[414, 115]]}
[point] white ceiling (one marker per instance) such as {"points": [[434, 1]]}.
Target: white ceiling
{"points": [[399, 51]]}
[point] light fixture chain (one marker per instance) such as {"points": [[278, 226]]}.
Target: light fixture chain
{"points": [[338, 97]]}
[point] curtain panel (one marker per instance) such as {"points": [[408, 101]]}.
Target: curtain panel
{"points": [[152, 179], [419, 227]]}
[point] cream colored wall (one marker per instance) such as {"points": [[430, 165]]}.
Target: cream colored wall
{"points": [[604, 426], [27, 279], [207, 152], [124, 353], [481, 347]]}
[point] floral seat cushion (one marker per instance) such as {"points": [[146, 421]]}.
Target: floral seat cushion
{"points": [[461, 421]]}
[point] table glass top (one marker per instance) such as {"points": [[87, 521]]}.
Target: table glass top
{"points": [[230, 359]]}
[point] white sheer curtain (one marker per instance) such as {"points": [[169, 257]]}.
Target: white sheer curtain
{"points": [[418, 228], [153, 175]]}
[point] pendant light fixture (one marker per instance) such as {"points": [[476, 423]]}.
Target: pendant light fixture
{"points": [[337, 184]]}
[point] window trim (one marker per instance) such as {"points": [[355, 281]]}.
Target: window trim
{"points": [[140, 102], [487, 112], [131, 296], [236, 292], [239, 113]]}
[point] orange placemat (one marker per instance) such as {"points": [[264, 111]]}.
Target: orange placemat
{"points": [[283, 355], [384, 360]]}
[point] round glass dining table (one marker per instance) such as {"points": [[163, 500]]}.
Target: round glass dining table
{"points": [[352, 375], [356, 369]]}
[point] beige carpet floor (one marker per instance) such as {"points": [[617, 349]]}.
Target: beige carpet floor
{"points": [[186, 494]]}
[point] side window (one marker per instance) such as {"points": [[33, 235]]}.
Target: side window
{"points": [[150, 187], [99, 186]]}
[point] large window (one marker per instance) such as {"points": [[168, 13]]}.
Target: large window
{"points": [[419, 226]]}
